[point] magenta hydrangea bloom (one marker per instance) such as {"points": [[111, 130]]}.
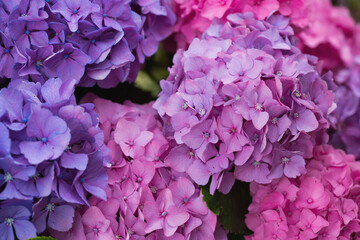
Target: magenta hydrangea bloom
{"points": [[146, 199], [322, 204], [196, 16], [331, 44], [92, 42], [246, 93], [52, 152]]}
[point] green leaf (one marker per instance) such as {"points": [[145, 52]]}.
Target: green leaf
{"points": [[42, 238], [145, 83], [230, 208]]}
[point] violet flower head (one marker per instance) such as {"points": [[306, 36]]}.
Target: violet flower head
{"points": [[50, 148], [247, 92], [87, 41], [345, 132], [322, 204]]}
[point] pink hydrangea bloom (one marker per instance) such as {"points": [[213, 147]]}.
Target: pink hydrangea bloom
{"points": [[331, 44], [147, 199], [243, 98], [195, 16], [322, 204]]}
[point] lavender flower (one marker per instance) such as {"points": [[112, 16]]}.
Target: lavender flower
{"points": [[239, 100], [50, 148], [92, 42], [16, 218]]}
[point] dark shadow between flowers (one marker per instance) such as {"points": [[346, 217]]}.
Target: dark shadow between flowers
{"points": [[230, 208]]}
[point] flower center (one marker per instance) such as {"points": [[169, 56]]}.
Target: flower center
{"points": [[50, 207], [164, 213], [186, 200], [44, 140], [36, 175], [297, 93], [256, 164], [82, 180], [296, 115], [27, 32], [310, 200], [66, 56], [153, 189], [206, 135], [274, 120], [232, 130], [285, 160], [93, 41], [259, 106], [7, 50], [96, 230], [156, 158], [237, 97], [130, 231], [75, 11], [139, 179], [104, 15], [202, 112], [8, 177], [9, 221], [255, 137], [24, 120], [191, 153], [279, 73], [185, 105]]}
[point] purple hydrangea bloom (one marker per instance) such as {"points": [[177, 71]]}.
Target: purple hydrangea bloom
{"points": [[346, 133], [73, 11], [87, 41], [241, 100], [50, 148], [16, 218]]}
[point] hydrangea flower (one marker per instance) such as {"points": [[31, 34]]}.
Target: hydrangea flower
{"points": [[196, 16], [322, 204], [146, 199], [345, 133], [16, 218], [92, 42], [331, 44], [246, 93], [52, 152]]}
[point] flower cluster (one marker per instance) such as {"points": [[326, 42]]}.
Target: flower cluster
{"points": [[50, 148], [196, 16], [323, 204], [328, 35], [332, 44], [145, 198], [243, 95], [100, 41], [346, 132]]}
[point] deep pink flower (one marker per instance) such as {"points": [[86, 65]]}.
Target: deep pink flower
{"points": [[163, 214]]}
